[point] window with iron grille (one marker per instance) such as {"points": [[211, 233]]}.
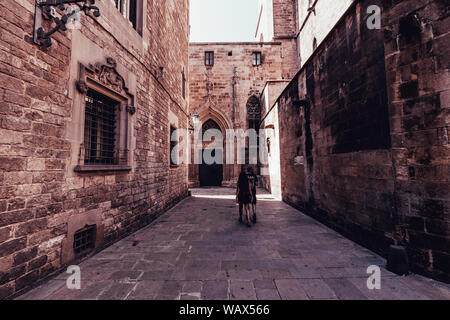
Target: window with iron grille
{"points": [[257, 58], [84, 240], [209, 58], [100, 128], [173, 144]]}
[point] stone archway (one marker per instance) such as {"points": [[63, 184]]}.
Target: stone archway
{"points": [[223, 124]]}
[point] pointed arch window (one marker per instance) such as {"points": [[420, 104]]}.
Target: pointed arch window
{"points": [[210, 124], [253, 113]]}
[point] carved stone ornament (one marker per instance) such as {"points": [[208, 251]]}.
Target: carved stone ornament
{"points": [[107, 75]]}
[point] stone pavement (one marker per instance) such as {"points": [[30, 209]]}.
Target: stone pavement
{"points": [[198, 250]]}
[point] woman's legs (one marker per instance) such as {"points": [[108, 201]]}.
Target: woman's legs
{"points": [[247, 210], [254, 212]]}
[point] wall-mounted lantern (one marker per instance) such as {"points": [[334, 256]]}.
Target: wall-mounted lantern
{"points": [[195, 119], [60, 12]]}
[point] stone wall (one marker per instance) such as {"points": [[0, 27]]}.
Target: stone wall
{"points": [[316, 24], [221, 92], [364, 132], [417, 38], [284, 18], [278, 22], [42, 199]]}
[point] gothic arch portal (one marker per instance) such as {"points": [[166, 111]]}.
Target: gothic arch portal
{"points": [[217, 116]]}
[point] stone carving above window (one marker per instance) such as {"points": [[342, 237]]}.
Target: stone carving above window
{"points": [[107, 75]]}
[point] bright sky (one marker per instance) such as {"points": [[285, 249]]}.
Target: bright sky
{"points": [[223, 20]]}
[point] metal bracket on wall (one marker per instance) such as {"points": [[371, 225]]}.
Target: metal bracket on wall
{"points": [[59, 12]]}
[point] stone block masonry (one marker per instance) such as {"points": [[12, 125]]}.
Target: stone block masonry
{"points": [[43, 201], [363, 141]]}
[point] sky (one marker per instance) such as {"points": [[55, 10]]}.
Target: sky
{"points": [[223, 20]]}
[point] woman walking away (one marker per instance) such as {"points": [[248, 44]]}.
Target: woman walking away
{"points": [[244, 196], [253, 180]]}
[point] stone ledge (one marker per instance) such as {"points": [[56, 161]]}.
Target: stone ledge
{"points": [[98, 168]]}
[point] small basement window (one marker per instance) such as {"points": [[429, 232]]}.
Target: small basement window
{"points": [[84, 241]]}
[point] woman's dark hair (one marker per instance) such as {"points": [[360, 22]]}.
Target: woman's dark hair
{"points": [[250, 169], [243, 181]]}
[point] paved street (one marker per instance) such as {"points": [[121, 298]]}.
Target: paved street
{"points": [[198, 250]]}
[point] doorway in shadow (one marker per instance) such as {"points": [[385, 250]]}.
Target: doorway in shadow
{"points": [[211, 175]]}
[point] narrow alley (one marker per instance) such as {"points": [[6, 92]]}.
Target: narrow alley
{"points": [[198, 250]]}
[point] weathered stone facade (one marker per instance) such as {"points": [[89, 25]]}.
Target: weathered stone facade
{"points": [[361, 132], [47, 192], [221, 92]]}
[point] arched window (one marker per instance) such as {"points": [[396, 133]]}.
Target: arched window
{"points": [[253, 113]]}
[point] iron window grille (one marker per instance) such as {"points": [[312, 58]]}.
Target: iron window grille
{"points": [[84, 241], [257, 58], [173, 144], [100, 129], [209, 58]]}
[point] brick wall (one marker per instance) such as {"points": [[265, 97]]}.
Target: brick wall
{"points": [[41, 131], [363, 133]]}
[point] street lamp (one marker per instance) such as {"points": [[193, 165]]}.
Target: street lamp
{"points": [[195, 119]]}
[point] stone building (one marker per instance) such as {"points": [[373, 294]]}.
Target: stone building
{"points": [[84, 130], [222, 92], [221, 89], [360, 136], [355, 117]]}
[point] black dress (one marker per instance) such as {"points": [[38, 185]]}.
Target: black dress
{"points": [[253, 179], [244, 189]]}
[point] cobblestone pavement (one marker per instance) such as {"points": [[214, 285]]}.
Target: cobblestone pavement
{"points": [[198, 250]]}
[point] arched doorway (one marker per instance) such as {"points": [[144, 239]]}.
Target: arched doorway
{"points": [[211, 175]]}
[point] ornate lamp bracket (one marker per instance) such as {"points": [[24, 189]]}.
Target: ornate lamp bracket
{"points": [[60, 12]]}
